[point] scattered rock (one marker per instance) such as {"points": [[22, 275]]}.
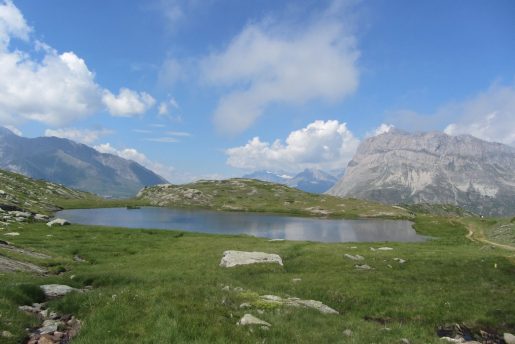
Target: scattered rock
{"points": [[6, 334], [356, 257], [40, 217], [56, 290], [58, 222], [79, 259], [385, 249], [296, 280], [363, 267], [405, 341], [509, 338], [245, 305], [347, 333], [11, 265], [399, 260], [234, 258], [12, 234], [276, 240], [249, 319], [7, 246], [296, 302]]}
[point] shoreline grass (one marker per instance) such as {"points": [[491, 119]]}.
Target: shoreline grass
{"points": [[156, 286]]}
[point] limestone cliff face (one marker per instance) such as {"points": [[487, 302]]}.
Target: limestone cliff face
{"points": [[398, 167]]}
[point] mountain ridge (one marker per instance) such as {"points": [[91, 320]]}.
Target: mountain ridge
{"points": [[433, 167], [74, 165], [308, 180]]}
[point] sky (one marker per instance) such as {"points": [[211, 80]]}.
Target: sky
{"points": [[218, 88]]}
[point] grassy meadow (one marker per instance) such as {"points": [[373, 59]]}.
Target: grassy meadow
{"points": [[152, 286]]}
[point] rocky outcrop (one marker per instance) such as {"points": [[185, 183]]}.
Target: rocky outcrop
{"points": [[58, 222], [398, 167], [235, 258]]}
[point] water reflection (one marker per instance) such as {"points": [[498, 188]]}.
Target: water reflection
{"points": [[260, 225]]}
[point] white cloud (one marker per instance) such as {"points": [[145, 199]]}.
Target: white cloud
{"points": [[167, 106], [12, 23], [489, 115], [163, 139], [326, 145], [86, 136], [164, 171], [54, 88], [178, 133], [14, 129], [127, 103], [272, 63], [381, 129]]}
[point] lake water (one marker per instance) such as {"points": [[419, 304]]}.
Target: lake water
{"points": [[255, 224]]}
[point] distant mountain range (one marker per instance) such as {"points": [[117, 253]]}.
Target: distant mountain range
{"points": [[74, 165], [399, 167], [309, 180]]}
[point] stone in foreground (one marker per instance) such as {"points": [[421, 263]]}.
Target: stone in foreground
{"points": [[234, 258], [296, 302], [249, 319], [58, 222], [56, 290]]}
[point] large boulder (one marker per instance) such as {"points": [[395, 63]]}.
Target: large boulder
{"points": [[234, 258], [58, 222], [56, 290], [249, 319]]}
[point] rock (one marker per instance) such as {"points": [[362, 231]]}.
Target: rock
{"points": [[12, 234], [22, 214], [363, 267], [509, 338], [405, 341], [48, 329], [245, 305], [399, 260], [46, 340], [40, 217], [59, 222], [319, 306], [10, 265], [347, 333], [296, 280], [276, 240], [249, 319], [234, 258], [28, 309], [452, 340], [385, 249], [56, 290], [296, 302], [356, 257], [6, 334]]}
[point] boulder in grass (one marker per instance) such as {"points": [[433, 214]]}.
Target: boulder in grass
{"points": [[58, 222], [56, 290], [249, 319], [234, 258]]}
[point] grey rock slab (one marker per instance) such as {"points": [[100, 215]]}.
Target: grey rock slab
{"points": [[509, 338], [354, 257], [400, 260], [11, 265], [234, 258], [363, 267], [56, 290], [249, 319], [58, 222], [296, 302], [15, 249]]}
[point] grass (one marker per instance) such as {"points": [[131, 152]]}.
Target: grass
{"points": [[154, 286], [257, 196]]}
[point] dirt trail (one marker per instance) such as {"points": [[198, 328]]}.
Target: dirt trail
{"points": [[477, 235]]}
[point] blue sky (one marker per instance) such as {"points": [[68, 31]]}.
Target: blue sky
{"points": [[203, 89]]}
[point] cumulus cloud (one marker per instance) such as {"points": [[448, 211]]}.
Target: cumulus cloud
{"points": [[322, 144], [164, 171], [54, 88], [489, 115], [381, 129], [270, 63], [127, 103], [86, 136]]}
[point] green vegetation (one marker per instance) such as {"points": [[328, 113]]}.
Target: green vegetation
{"points": [[152, 286], [155, 286], [258, 196], [36, 195]]}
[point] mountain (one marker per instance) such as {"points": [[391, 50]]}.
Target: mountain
{"points": [[74, 165], [279, 177], [309, 180], [399, 167]]}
